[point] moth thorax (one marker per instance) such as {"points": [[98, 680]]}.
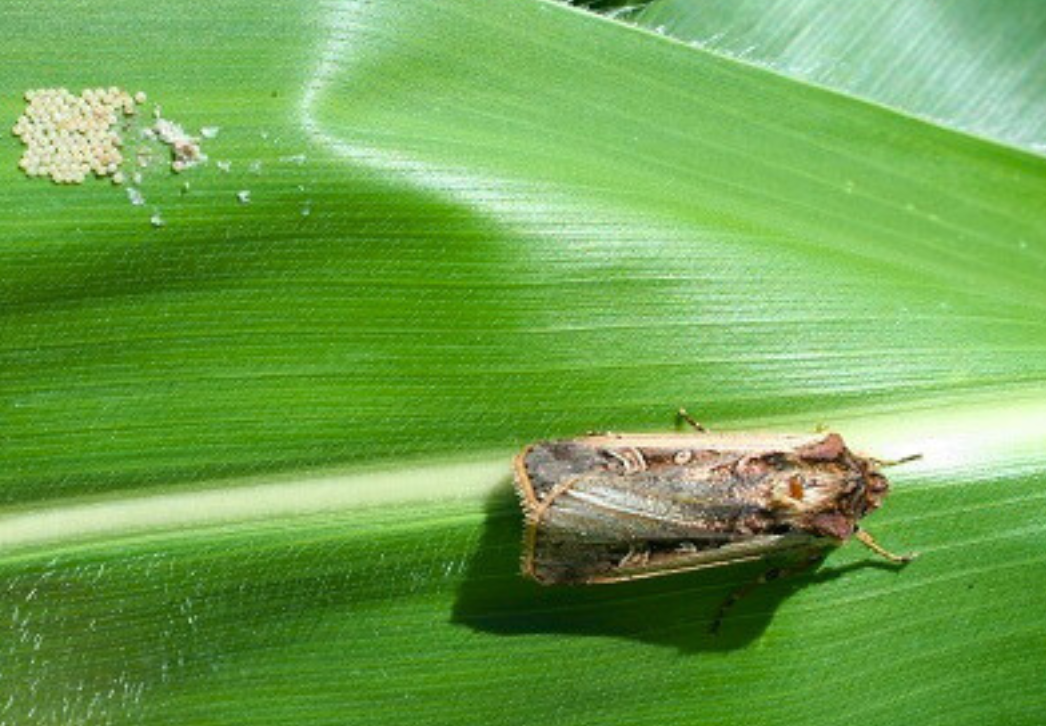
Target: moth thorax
{"points": [[801, 493]]}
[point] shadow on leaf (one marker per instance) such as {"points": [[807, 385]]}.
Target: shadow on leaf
{"points": [[676, 611]]}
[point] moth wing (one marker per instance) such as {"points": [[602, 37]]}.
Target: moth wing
{"points": [[556, 557], [656, 562], [588, 522], [643, 506], [602, 527]]}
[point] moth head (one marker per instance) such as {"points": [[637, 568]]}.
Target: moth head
{"points": [[876, 487]]}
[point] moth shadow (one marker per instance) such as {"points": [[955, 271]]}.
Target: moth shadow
{"points": [[676, 611]]}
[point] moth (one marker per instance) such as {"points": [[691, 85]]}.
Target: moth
{"points": [[608, 507]]}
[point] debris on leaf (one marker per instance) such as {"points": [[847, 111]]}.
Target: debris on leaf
{"points": [[185, 149]]}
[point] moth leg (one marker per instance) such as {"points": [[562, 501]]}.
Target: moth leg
{"points": [[534, 515], [812, 558], [882, 463], [869, 541], [684, 415], [635, 557]]}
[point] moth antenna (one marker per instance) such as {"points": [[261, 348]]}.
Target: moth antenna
{"points": [[869, 541], [684, 415], [883, 463]]}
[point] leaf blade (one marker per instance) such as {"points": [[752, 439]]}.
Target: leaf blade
{"points": [[498, 259]]}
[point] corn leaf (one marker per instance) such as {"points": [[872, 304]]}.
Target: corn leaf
{"points": [[255, 461]]}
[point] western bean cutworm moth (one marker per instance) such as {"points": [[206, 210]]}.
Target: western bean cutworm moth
{"points": [[609, 507]]}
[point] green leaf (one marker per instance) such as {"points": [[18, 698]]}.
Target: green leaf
{"points": [[975, 66], [255, 462]]}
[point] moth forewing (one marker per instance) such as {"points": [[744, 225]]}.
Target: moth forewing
{"points": [[637, 565], [613, 507]]}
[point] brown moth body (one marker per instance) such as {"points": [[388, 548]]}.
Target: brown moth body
{"points": [[612, 507]]}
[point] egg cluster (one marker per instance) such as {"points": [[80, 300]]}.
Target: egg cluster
{"points": [[69, 137]]}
